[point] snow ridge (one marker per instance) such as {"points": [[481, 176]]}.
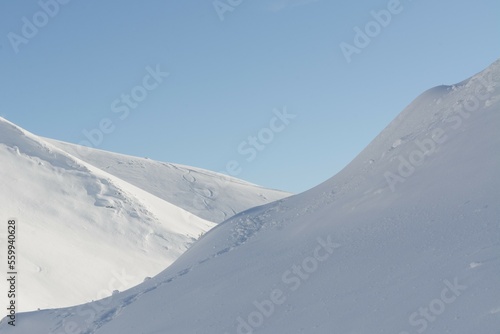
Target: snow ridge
{"points": [[422, 256], [75, 216]]}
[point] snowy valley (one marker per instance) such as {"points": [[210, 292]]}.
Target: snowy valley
{"points": [[405, 239]]}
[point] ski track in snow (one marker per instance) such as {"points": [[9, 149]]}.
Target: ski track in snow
{"points": [[204, 194], [122, 203], [399, 247]]}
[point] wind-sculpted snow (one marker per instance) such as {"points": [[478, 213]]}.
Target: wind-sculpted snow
{"points": [[404, 240], [84, 232], [211, 196]]}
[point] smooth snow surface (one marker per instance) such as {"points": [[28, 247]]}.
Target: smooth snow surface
{"points": [[87, 228], [360, 253]]}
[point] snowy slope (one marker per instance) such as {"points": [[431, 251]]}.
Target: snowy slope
{"points": [[360, 253], [211, 196], [84, 232]]}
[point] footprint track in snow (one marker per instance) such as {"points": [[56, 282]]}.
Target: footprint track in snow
{"points": [[188, 177], [243, 231]]}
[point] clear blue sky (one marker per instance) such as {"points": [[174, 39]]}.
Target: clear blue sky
{"points": [[226, 77]]}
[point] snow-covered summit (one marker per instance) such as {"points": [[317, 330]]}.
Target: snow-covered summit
{"points": [[86, 230], [404, 240]]}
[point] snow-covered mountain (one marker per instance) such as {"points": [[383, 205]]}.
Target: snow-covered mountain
{"points": [[89, 227], [211, 196], [405, 239]]}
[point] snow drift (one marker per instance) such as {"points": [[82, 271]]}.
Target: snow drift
{"points": [[405, 239], [87, 229]]}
